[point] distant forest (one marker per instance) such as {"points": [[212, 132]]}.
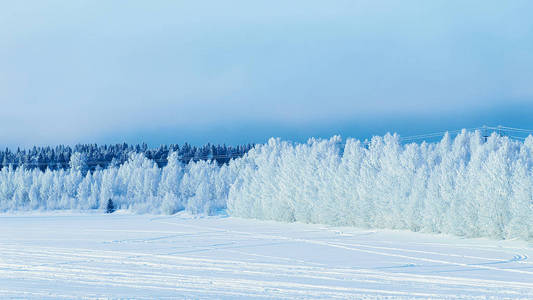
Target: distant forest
{"points": [[102, 156]]}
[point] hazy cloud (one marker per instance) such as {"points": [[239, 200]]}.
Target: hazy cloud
{"points": [[172, 71]]}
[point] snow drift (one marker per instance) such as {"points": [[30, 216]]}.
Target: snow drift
{"points": [[465, 186]]}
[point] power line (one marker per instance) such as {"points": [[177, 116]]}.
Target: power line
{"points": [[517, 129], [105, 162]]}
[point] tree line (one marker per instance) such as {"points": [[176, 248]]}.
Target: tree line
{"points": [[103, 156], [467, 185]]}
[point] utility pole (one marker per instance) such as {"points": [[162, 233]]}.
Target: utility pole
{"points": [[485, 133], [500, 130]]}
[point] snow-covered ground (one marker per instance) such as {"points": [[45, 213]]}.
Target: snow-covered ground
{"points": [[77, 255]]}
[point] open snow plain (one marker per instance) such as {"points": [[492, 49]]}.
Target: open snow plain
{"points": [[87, 255]]}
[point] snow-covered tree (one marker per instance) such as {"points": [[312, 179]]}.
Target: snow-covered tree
{"points": [[465, 186]]}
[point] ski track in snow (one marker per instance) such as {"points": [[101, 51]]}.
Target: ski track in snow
{"points": [[143, 257]]}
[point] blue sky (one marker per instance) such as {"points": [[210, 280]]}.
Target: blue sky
{"points": [[242, 71]]}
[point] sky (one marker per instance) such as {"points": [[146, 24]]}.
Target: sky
{"points": [[242, 71]]}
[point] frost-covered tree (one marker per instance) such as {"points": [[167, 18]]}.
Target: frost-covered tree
{"points": [[465, 186], [78, 163]]}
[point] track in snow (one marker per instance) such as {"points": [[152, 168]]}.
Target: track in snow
{"points": [[123, 256]]}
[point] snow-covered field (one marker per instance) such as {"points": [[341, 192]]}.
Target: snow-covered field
{"points": [[79, 255]]}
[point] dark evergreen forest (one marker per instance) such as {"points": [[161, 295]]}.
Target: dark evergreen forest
{"points": [[102, 156]]}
